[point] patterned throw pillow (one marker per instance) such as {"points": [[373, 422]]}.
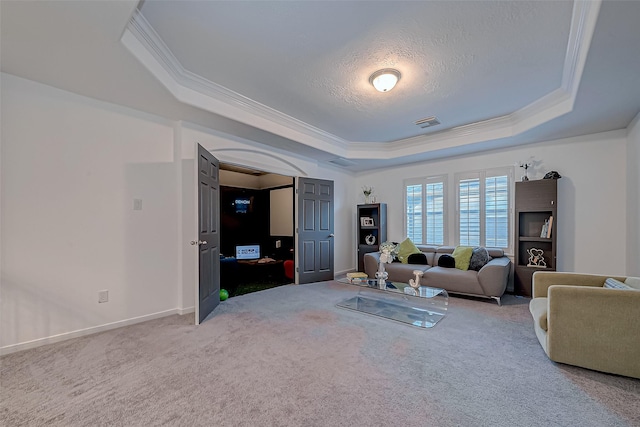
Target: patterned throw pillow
{"points": [[479, 257], [615, 284]]}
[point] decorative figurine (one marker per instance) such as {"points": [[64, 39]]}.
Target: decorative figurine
{"points": [[536, 258], [415, 283]]}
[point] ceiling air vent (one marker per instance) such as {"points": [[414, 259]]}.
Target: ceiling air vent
{"points": [[428, 122]]}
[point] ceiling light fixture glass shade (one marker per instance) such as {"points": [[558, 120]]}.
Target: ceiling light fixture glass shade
{"points": [[385, 80]]}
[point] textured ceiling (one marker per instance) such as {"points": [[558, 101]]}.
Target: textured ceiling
{"points": [[310, 61], [460, 61]]}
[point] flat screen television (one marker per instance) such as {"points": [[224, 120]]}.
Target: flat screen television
{"points": [[248, 252], [243, 205]]}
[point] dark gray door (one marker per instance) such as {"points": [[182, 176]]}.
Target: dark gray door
{"points": [[208, 230], [315, 230]]}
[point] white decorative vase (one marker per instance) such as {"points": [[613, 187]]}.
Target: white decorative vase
{"points": [[382, 276]]}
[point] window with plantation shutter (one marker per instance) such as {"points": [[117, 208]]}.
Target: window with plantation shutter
{"points": [[496, 195], [435, 213], [425, 207], [414, 212], [469, 212], [479, 209], [483, 208]]}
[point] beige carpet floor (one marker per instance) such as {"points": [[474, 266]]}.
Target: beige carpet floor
{"points": [[288, 356]]}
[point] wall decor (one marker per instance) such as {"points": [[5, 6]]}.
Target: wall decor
{"points": [[366, 221], [370, 239]]}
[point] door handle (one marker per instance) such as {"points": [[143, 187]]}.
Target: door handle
{"points": [[331, 235], [198, 242]]}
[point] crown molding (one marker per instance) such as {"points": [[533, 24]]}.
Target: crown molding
{"points": [[147, 46], [140, 35], [583, 24]]}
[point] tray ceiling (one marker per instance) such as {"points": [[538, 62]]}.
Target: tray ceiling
{"points": [[294, 75]]}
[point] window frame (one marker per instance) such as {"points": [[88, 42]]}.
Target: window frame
{"points": [[423, 182], [482, 176]]}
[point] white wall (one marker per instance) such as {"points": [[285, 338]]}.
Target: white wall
{"points": [[633, 198], [591, 201], [281, 212], [71, 168]]}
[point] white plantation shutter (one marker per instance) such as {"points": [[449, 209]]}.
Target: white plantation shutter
{"points": [[425, 207], [484, 207], [435, 213], [497, 211], [469, 212], [414, 212]]}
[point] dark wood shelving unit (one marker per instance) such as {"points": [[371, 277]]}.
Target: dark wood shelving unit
{"points": [[535, 202], [378, 213]]}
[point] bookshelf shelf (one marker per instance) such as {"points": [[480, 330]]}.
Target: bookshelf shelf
{"points": [[536, 215], [370, 236]]}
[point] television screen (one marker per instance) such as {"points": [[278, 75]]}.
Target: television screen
{"points": [[248, 252], [243, 204]]}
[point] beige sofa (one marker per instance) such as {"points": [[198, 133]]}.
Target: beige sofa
{"points": [[581, 323], [490, 282]]}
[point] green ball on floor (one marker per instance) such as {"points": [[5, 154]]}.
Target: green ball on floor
{"points": [[223, 294]]}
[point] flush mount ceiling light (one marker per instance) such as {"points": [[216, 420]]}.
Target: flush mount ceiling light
{"points": [[384, 80]]}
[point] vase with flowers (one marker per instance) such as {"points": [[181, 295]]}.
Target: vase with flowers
{"points": [[367, 191], [525, 166], [388, 252]]}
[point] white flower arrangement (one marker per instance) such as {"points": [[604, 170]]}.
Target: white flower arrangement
{"points": [[388, 251]]}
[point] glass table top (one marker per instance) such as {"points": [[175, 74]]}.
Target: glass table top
{"points": [[423, 307]]}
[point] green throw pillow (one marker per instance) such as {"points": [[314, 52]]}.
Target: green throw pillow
{"points": [[462, 254], [405, 249]]}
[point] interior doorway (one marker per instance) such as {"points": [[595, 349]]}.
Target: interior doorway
{"points": [[256, 229]]}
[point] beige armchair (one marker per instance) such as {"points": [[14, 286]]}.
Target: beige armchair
{"points": [[578, 322]]}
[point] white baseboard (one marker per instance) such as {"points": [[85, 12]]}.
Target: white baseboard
{"points": [[89, 331], [188, 310]]}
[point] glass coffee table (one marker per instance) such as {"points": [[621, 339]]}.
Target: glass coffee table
{"points": [[422, 308]]}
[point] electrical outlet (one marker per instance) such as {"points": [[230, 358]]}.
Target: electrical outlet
{"points": [[103, 296]]}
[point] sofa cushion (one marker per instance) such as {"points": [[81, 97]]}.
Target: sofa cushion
{"points": [[462, 254], [611, 283], [405, 249], [399, 272], [453, 280], [446, 261], [479, 258], [417, 259], [538, 309]]}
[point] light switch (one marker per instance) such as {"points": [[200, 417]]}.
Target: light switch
{"points": [[137, 204]]}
